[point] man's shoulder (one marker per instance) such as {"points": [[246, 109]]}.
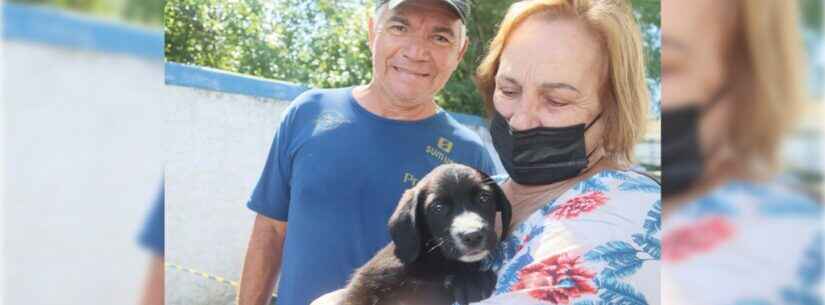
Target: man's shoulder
{"points": [[462, 127], [321, 97]]}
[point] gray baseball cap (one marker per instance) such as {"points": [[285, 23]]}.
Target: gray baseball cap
{"points": [[461, 7]]}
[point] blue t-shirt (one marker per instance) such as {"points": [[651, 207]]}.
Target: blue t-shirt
{"points": [[151, 236], [335, 172]]}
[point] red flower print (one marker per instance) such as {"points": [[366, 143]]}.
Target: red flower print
{"points": [[695, 238], [558, 279], [579, 205]]}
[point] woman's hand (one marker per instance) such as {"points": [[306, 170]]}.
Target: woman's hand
{"points": [[332, 298]]}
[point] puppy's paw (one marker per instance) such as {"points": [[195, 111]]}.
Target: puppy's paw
{"points": [[469, 287]]}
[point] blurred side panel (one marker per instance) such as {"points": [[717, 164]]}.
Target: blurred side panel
{"points": [[83, 111]]}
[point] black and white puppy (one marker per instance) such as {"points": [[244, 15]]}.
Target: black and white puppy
{"points": [[441, 231]]}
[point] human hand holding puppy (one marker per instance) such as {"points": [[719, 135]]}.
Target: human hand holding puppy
{"points": [[441, 231]]}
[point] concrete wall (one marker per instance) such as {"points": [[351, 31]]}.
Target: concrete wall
{"points": [[82, 156]]}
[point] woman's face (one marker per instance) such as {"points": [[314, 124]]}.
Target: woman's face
{"points": [[693, 61], [550, 75]]}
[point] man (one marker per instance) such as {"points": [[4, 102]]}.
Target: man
{"points": [[151, 238], [341, 158]]}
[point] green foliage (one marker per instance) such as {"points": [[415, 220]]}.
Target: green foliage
{"points": [[144, 11], [812, 14], [324, 43], [99, 7]]}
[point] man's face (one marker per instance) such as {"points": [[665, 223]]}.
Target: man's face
{"points": [[415, 48]]}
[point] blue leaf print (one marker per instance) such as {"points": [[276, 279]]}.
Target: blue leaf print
{"points": [[615, 175], [588, 302], [709, 205], [615, 253], [615, 292], [639, 185], [752, 302], [800, 297], [594, 184], [510, 275], [626, 268], [649, 244], [810, 271], [653, 222]]}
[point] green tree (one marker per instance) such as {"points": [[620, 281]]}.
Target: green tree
{"points": [[324, 43]]}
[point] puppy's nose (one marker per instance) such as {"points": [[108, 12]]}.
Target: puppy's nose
{"points": [[472, 239]]}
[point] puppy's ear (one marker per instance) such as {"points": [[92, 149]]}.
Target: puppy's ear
{"points": [[403, 228], [503, 206]]}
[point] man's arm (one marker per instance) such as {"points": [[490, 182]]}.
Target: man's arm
{"points": [[262, 262], [153, 285]]}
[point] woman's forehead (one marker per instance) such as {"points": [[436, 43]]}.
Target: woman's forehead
{"points": [[562, 47]]}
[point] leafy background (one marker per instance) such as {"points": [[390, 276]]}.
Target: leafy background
{"points": [[323, 43], [319, 43]]}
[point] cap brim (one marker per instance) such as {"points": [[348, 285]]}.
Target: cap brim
{"points": [[395, 3]]}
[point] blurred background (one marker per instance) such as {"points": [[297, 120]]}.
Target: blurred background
{"points": [[87, 124], [235, 65], [82, 111]]}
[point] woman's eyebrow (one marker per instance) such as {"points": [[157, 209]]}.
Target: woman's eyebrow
{"points": [[504, 78], [558, 85]]}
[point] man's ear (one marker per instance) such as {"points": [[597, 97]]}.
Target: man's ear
{"points": [[404, 229], [370, 33], [464, 47]]}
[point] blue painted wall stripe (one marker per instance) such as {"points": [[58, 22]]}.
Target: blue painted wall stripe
{"points": [[61, 28], [223, 81], [218, 80]]}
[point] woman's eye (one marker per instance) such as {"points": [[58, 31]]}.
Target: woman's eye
{"points": [[554, 102], [508, 93]]}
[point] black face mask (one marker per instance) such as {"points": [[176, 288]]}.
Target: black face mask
{"points": [[541, 155], [682, 159]]}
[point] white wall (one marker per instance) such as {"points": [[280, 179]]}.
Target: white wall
{"points": [[83, 161]]}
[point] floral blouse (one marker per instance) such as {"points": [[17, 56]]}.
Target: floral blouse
{"points": [[598, 243], [744, 244]]}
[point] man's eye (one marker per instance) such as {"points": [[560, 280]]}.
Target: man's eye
{"points": [[397, 29], [441, 40]]}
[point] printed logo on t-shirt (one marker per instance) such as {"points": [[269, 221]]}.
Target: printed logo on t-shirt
{"points": [[328, 121], [445, 147], [410, 179]]}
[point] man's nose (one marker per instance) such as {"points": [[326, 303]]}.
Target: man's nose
{"points": [[415, 49]]}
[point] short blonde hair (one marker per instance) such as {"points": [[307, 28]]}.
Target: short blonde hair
{"points": [[625, 97], [766, 60]]}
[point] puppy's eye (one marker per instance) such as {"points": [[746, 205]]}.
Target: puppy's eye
{"points": [[484, 197], [438, 207]]}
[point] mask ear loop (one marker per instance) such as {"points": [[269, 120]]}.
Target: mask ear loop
{"points": [[715, 98], [599, 116]]}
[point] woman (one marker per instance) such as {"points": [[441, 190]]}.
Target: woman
{"points": [[732, 79], [570, 75], [564, 86]]}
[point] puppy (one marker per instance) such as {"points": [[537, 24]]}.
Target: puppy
{"points": [[441, 230]]}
